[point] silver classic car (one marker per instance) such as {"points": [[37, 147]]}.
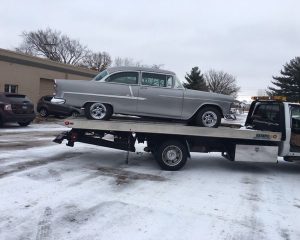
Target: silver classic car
{"points": [[142, 92]]}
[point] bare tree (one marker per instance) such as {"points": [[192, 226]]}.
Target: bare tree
{"points": [[129, 62], [97, 61], [157, 66], [221, 82], [126, 62], [53, 45]]}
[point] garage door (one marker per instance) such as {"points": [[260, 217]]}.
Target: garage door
{"points": [[46, 87]]}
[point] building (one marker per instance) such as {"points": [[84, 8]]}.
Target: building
{"points": [[33, 76]]}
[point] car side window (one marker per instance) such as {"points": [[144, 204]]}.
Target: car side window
{"points": [[124, 77], [157, 80], [47, 99]]}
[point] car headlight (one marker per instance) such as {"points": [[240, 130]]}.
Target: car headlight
{"points": [[58, 100]]}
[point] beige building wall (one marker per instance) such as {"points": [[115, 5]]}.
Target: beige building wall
{"points": [[36, 81]]}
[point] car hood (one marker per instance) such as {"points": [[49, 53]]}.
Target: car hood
{"points": [[207, 95]]}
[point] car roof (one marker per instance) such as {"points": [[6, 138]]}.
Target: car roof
{"points": [[143, 69]]}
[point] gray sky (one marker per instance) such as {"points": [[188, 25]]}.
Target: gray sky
{"points": [[249, 39]]}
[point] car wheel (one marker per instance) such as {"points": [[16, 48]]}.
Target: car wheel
{"points": [[43, 112], [98, 111], [24, 124], [74, 114], [208, 117], [171, 155]]}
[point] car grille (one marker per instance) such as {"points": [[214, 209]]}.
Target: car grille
{"points": [[22, 108]]}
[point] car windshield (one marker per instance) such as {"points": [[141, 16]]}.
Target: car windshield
{"points": [[100, 75]]}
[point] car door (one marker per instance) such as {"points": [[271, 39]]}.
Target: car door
{"points": [[121, 91], [158, 97]]}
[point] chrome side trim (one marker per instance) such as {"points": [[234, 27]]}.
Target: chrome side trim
{"points": [[168, 96], [208, 100], [104, 95]]}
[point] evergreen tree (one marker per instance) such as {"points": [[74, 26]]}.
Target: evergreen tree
{"points": [[289, 83], [195, 80]]}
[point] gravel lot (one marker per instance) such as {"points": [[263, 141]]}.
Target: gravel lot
{"points": [[51, 191]]}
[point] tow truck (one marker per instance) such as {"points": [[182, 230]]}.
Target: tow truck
{"points": [[272, 129]]}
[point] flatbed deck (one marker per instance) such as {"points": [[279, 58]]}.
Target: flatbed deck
{"points": [[137, 126]]}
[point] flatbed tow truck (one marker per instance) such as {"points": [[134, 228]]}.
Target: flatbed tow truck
{"points": [[272, 129]]}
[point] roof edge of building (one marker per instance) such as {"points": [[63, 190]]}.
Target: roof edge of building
{"points": [[20, 58]]}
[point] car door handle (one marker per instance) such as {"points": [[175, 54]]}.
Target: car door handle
{"points": [[144, 87]]}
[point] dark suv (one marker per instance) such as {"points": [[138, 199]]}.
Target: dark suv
{"points": [[45, 107], [16, 108]]}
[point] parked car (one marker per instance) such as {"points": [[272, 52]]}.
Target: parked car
{"points": [[16, 108], [142, 92], [45, 107]]}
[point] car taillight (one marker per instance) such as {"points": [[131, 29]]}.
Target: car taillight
{"points": [[7, 107]]}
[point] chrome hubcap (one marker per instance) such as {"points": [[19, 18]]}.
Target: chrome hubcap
{"points": [[98, 111], [172, 155], [209, 119]]}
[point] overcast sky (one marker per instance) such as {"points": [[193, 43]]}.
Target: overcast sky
{"points": [[249, 39]]}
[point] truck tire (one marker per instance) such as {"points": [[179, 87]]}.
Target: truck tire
{"points": [[171, 155], [98, 111], [208, 117]]}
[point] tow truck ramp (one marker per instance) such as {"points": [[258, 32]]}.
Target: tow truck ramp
{"points": [[171, 143], [171, 129]]}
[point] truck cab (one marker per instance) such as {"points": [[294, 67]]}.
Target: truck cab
{"points": [[276, 115]]}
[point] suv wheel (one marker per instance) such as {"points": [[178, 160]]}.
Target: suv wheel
{"points": [[43, 112], [24, 124], [74, 114]]}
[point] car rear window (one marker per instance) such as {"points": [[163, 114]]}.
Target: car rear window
{"points": [[16, 98], [157, 80]]}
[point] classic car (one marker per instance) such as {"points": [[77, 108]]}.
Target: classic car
{"points": [[142, 91]]}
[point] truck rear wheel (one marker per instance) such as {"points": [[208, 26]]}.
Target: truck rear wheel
{"points": [[171, 155]]}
